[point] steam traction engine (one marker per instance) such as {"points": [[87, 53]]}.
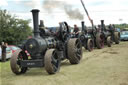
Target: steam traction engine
{"points": [[110, 34], [96, 36], [105, 34], [46, 50], [86, 38]]}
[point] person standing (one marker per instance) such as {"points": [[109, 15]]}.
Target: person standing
{"points": [[3, 46], [112, 29], [0, 51]]}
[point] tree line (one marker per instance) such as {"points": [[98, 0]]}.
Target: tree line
{"points": [[121, 26], [12, 29]]}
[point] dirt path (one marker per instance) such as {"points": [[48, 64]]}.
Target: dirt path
{"points": [[108, 66]]}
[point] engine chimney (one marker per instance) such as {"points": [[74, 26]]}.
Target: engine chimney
{"points": [[84, 29], [102, 25], [102, 22], [35, 22], [82, 23]]}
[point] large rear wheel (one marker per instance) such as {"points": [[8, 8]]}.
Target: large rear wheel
{"points": [[52, 61], [109, 41], [74, 50], [14, 62], [117, 37]]}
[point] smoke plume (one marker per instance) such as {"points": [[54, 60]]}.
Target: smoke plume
{"points": [[31, 4], [50, 5]]}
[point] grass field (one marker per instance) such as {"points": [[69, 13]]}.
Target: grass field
{"points": [[107, 66]]}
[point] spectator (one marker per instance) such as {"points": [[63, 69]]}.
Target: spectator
{"points": [[4, 46], [113, 27], [0, 51], [110, 27]]}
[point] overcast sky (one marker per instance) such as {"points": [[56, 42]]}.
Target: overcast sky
{"points": [[112, 11]]}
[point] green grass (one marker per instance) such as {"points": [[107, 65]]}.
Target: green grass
{"points": [[108, 66]]}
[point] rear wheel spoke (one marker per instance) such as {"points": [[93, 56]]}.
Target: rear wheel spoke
{"points": [[55, 68], [78, 56], [79, 50]]}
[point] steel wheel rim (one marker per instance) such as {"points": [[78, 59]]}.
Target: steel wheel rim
{"points": [[78, 49], [91, 45], [101, 41], [55, 61]]}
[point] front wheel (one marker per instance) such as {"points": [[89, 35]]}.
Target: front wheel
{"points": [[15, 66], [52, 61], [90, 45]]}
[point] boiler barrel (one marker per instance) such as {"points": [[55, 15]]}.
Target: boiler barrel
{"points": [[36, 46]]}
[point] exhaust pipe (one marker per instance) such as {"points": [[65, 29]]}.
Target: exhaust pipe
{"points": [[102, 25], [84, 29], [35, 22], [102, 22]]}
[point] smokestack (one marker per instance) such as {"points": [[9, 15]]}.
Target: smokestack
{"points": [[102, 25], [35, 22], [84, 29], [82, 23], [102, 22]]}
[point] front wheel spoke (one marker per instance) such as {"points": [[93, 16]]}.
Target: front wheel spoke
{"points": [[18, 62]]}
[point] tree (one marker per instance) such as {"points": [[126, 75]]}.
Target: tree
{"points": [[12, 29], [121, 26]]}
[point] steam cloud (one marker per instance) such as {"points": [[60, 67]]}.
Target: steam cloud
{"points": [[49, 5], [32, 3]]}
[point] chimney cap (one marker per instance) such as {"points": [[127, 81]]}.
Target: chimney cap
{"points": [[35, 10], [82, 21]]}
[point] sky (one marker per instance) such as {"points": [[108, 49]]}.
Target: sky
{"points": [[112, 11]]}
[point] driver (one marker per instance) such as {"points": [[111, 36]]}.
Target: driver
{"points": [[76, 31]]}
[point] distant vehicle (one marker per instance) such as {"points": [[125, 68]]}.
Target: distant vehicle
{"points": [[125, 29], [118, 29], [8, 53], [13, 48], [124, 35]]}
